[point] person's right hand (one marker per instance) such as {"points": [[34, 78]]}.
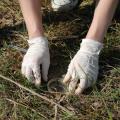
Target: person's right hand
{"points": [[37, 54]]}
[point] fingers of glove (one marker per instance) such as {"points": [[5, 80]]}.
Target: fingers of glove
{"points": [[23, 69], [82, 86], [29, 74], [74, 80], [68, 76], [37, 75], [83, 79], [72, 85], [79, 90], [45, 68]]}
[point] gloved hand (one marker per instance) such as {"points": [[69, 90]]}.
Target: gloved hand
{"points": [[84, 67], [37, 54]]}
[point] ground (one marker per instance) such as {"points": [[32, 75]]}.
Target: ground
{"points": [[64, 31]]}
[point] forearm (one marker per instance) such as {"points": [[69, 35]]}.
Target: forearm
{"points": [[102, 17], [31, 10]]}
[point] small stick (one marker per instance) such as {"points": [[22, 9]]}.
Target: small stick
{"points": [[36, 94], [56, 111]]}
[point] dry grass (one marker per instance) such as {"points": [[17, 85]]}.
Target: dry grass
{"points": [[64, 33]]}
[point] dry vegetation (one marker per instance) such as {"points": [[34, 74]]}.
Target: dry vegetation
{"points": [[64, 32]]}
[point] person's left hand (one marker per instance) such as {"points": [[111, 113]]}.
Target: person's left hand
{"points": [[83, 67]]}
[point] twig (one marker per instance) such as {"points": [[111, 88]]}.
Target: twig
{"points": [[36, 94], [14, 102], [56, 111]]}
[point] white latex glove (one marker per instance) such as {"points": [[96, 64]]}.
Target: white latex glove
{"points": [[37, 54], [84, 67]]}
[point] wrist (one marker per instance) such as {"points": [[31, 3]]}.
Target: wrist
{"points": [[38, 40], [91, 46]]}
